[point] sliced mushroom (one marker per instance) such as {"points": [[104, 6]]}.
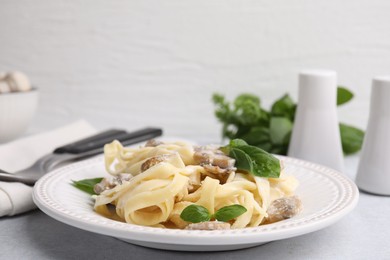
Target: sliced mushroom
{"points": [[213, 157], [202, 157], [209, 225], [216, 172], [283, 208], [153, 161], [153, 143], [215, 163], [102, 186], [223, 161], [110, 182]]}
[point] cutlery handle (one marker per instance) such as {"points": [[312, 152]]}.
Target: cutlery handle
{"points": [[17, 178], [100, 136], [98, 141]]}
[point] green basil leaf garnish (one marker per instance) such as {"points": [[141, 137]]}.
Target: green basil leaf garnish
{"points": [[229, 212], [253, 159], [195, 214], [87, 185]]}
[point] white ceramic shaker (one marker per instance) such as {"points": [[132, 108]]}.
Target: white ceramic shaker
{"points": [[374, 167], [316, 135]]}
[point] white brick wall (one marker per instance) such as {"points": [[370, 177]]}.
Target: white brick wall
{"points": [[134, 63]]}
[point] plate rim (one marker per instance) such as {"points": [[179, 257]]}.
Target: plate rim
{"points": [[276, 231]]}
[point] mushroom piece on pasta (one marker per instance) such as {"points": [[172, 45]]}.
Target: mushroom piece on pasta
{"points": [[209, 225], [283, 208]]}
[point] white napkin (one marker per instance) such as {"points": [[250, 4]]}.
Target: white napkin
{"points": [[16, 197]]}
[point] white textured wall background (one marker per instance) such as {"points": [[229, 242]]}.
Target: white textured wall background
{"points": [[143, 62]]}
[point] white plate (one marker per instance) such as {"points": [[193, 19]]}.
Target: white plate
{"points": [[326, 195]]}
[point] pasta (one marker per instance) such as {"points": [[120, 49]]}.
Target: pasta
{"points": [[164, 178]]}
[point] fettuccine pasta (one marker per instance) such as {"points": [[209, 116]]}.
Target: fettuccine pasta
{"points": [[164, 178]]}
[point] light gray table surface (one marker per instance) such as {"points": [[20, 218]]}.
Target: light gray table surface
{"points": [[362, 234]]}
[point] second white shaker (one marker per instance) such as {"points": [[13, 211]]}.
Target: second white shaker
{"points": [[374, 167], [316, 135]]}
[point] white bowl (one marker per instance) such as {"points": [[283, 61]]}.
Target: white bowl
{"points": [[16, 112]]}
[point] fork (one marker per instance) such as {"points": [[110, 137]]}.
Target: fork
{"points": [[81, 149]]}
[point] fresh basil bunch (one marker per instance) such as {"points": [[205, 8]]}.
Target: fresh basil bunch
{"points": [[271, 129]]}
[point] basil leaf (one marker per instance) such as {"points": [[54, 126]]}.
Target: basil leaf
{"points": [[87, 185], [264, 164], [253, 159], [266, 146], [195, 214], [280, 128], [343, 95], [233, 143], [237, 142], [229, 212], [351, 138], [284, 107], [243, 160]]}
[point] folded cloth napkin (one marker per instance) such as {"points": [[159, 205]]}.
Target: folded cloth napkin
{"points": [[16, 197]]}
